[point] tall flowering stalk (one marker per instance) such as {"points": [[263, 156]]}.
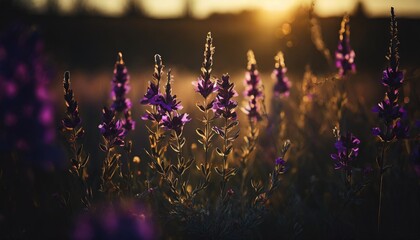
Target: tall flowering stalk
{"points": [[224, 107], [282, 84], [391, 127], [344, 55], [205, 86], [153, 98], [254, 94], [253, 89], [174, 122], [120, 87], [263, 193], [113, 134], [281, 91], [74, 132], [116, 123]]}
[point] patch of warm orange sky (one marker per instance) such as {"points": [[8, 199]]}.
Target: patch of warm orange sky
{"points": [[204, 8]]}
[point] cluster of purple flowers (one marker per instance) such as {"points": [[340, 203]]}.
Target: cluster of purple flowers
{"points": [[165, 106], [172, 120], [204, 84], [223, 105], [112, 128], [120, 87], [389, 111], [347, 147], [344, 56], [153, 96], [253, 89], [282, 85]]}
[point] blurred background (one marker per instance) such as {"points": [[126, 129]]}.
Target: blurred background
{"points": [[84, 37]]}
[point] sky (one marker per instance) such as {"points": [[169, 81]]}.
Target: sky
{"points": [[204, 8]]}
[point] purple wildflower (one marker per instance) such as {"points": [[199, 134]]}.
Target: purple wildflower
{"points": [[120, 86], [347, 150], [111, 129], [152, 96], [253, 89], [204, 84], [344, 56], [224, 105], [169, 103], [280, 164], [72, 120], [176, 122], [282, 85], [389, 111], [128, 123]]}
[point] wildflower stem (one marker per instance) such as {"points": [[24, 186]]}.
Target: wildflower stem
{"points": [[206, 132], [381, 174], [225, 147]]}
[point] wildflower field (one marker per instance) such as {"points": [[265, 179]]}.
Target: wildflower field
{"points": [[259, 134]]}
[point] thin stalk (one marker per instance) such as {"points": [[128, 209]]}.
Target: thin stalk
{"points": [[381, 174], [225, 140], [206, 132]]}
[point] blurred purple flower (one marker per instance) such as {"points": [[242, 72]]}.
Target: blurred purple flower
{"points": [[128, 123], [176, 122], [123, 221], [26, 107], [204, 84], [253, 111], [111, 129], [224, 105], [344, 56], [282, 85], [347, 150], [253, 89]]}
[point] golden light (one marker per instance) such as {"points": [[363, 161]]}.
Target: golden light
{"points": [[333, 7], [163, 8], [202, 9], [271, 10], [107, 7], [67, 6]]}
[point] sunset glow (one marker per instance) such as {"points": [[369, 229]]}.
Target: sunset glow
{"points": [[203, 8]]}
